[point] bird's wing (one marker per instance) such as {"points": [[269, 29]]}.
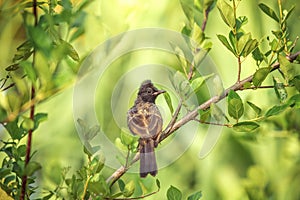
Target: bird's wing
{"points": [[145, 121]]}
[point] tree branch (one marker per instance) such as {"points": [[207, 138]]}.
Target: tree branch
{"points": [[193, 114]]}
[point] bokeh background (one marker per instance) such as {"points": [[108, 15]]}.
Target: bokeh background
{"points": [[264, 164]]}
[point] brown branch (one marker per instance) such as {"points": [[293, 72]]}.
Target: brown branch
{"points": [[32, 108], [193, 114]]}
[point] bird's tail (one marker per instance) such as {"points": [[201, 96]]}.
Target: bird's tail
{"points": [[147, 158]]}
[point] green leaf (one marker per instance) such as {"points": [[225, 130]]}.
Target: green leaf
{"points": [[235, 105], [14, 131], [29, 70], [245, 126], [280, 90], [96, 165], [126, 138], [27, 124], [296, 82], [242, 41], [121, 184], [38, 118], [197, 35], [12, 67], [296, 100], [188, 9], [129, 189], [275, 110], [40, 39], [256, 109], [260, 75], [286, 67], [158, 183], [173, 193], [257, 55], [250, 46], [195, 196], [99, 186], [227, 13], [225, 42], [288, 13], [32, 167], [169, 102], [198, 82], [267, 10]]}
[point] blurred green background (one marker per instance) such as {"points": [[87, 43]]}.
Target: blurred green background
{"points": [[260, 165]]}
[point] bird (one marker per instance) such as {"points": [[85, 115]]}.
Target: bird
{"points": [[144, 120]]}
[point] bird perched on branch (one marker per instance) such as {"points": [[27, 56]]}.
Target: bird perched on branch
{"points": [[144, 120]]}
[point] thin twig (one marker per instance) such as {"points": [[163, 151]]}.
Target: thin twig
{"points": [[213, 123], [191, 116]]}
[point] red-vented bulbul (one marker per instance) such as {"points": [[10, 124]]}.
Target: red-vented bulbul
{"points": [[144, 120]]}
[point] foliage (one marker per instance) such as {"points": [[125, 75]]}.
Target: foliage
{"points": [[46, 62]]}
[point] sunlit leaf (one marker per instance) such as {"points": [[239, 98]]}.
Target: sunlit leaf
{"points": [[286, 67], [245, 126], [195, 196], [188, 9], [235, 105], [27, 124], [198, 82], [241, 43], [287, 14], [277, 109], [227, 13], [225, 42], [129, 189], [169, 101], [260, 75], [173, 193], [256, 109], [270, 12]]}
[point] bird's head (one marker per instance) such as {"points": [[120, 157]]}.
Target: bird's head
{"points": [[148, 92]]}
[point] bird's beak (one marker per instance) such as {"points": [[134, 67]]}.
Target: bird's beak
{"points": [[159, 92]]}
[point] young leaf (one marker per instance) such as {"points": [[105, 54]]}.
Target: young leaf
{"points": [[260, 75], [256, 109], [267, 10], [188, 9], [250, 46], [198, 82], [129, 189], [242, 41], [296, 82], [227, 13], [225, 42], [173, 193], [235, 105], [169, 102], [286, 67], [275, 110], [195, 196], [245, 126]]}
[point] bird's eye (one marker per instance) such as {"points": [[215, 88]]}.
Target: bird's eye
{"points": [[149, 90]]}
